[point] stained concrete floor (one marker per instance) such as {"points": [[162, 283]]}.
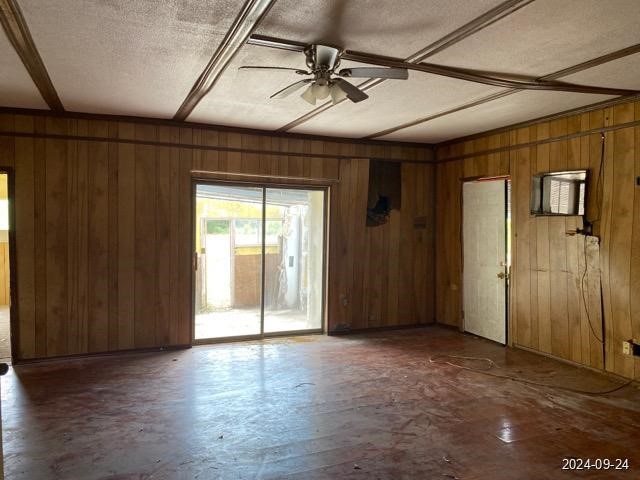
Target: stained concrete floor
{"points": [[367, 406]]}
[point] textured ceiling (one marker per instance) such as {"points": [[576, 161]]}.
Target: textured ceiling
{"points": [[548, 35], [242, 97], [396, 28], [141, 57], [393, 103], [519, 107], [16, 87], [621, 73], [126, 57]]}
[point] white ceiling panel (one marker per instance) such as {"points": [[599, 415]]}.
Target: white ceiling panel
{"points": [[393, 103], [548, 35], [621, 73], [141, 57], [398, 28], [130, 57], [16, 87], [519, 107], [241, 97]]}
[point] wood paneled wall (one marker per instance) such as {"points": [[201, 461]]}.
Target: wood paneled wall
{"points": [[380, 271], [547, 310], [103, 228]]}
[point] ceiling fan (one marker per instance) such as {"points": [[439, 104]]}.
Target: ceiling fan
{"points": [[323, 62]]}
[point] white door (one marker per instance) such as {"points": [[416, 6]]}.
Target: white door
{"points": [[484, 268]]}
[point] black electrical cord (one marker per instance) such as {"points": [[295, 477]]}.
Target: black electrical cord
{"points": [[600, 180], [527, 381], [599, 193]]}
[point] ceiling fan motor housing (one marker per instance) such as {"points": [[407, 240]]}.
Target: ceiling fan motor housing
{"points": [[322, 58]]}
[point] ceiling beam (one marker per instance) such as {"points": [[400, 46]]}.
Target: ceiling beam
{"points": [[609, 57], [18, 33], [477, 76], [544, 119], [497, 80], [489, 17], [250, 16]]}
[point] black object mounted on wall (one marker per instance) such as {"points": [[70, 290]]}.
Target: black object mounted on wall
{"points": [[384, 191]]}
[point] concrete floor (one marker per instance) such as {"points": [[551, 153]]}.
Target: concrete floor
{"points": [[367, 406], [237, 322]]}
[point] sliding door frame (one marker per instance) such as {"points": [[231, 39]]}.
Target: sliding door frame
{"points": [[264, 184]]}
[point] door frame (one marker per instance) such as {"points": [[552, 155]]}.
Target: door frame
{"points": [[509, 249], [14, 324], [264, 183]]}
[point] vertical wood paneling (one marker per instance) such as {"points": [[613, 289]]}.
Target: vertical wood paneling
{"points": [[74, 257], [98, 241], [525, 241], [184, 241], [103, 231], [620, 226], [113, 238], [25, 244], [548, 265], [174, 253], [634, 301], [448, 245], [358, 234], [55, 240], [146, 281], [126, 237], [163, 240], [406, 295]]}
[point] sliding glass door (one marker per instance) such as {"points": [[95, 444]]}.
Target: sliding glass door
{"points": [[260, 255], [294, 277]]}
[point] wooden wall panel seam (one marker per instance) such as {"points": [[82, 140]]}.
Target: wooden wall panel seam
{"points": [[559, 138], [229, 149]]}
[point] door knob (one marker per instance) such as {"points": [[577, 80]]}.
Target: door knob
{"points": [[502, 275]]}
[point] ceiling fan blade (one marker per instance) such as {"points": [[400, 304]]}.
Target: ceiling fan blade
{"points": [[375, 72], [259, 67], [272, 42], [353, 93], [289, 89]]}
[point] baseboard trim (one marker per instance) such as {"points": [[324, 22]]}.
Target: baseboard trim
{"points": [[385, 328], [613, 375], [79, 356]]}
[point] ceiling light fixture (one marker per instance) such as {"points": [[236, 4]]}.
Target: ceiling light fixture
{"points": [[309, 96], [337, 94], [317, 91], [320, 90]]}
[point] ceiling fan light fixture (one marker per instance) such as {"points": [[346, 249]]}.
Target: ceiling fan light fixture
{"points": [[320, 91], [337, 94], [309, 96]]}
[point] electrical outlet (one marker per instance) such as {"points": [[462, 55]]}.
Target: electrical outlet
{"points": [[627, 348]]}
